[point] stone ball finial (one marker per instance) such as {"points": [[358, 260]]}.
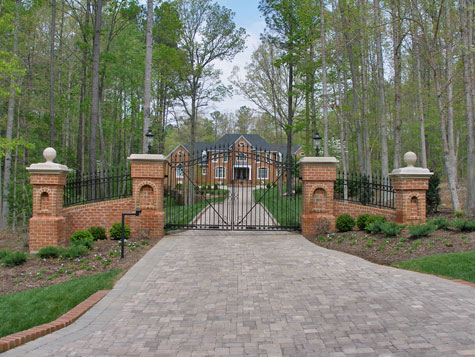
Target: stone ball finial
{"points": [[49, 154], [410, 158]]}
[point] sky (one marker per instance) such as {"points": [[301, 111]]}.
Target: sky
{"points": [[247, 15]]}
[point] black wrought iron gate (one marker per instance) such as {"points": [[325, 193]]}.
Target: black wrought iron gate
{"points": [[233, 187]]}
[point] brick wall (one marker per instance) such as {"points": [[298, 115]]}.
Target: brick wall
{"points": [[354, 210]]}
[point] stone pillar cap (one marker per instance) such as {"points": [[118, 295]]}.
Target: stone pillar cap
{"points": [[319, 160], [146, 157], [410, 159], [49, 167]]}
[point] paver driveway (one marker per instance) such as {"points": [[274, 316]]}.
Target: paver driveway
{"points": [[206, 293]]}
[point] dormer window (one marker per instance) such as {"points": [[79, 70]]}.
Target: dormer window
{"points": [[241, 145]]}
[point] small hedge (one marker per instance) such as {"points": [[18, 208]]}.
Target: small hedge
{"points": [[439, 223], [422, 230], [84, 238], [374, 218], [463, 225], [98, 233], [11, 259], [116, 231], [345, 223], [49, 252], [74, 252], [391, 229], [362, 221]]}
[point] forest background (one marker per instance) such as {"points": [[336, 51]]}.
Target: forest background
{"points": [[374, 78]]}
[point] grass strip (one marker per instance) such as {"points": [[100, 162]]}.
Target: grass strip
{"points": [[285, 209], [23, 310], [451, 265]]}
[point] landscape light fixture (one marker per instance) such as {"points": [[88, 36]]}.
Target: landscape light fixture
{"points": [[316, 143], [149, 135], [136, 213]]}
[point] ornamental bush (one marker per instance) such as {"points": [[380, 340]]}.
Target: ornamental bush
{"points": [[74, 252], [84, 238], [98, 233], [440, 222], [362, 221], [433, 194], [375, 227], [391, 229], [116, 231], [374, 218], [463, 225], [49, 252], [345, 223], [14, 258], [422, 230]]}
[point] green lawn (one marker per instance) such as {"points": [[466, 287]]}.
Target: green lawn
{"points": [[26, 309], [184, 214], [286, 210], [452, 265]]}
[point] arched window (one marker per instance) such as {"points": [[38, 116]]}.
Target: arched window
{"points": [[180, 172]]}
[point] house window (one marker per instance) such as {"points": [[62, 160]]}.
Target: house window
{"points": [[225, 157], [263, 173], [204, 172], [204, 156], [268, 157], [241, 156], [219, 172], [241, 145], [215, 157], [258, 157], [180, 173], [279, 173]]}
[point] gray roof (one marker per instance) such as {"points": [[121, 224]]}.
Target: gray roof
{"points": [[257, 142]]}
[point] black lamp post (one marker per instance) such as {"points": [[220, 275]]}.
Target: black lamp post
{"points": [[136, 213], [149, 135], [316, 143]]}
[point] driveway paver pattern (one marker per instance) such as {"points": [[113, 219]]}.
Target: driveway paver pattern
{"points": [[267, 294]]}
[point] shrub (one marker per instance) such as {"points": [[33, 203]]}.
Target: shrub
{"points": [[460, 213], [422, 230], [269, 185], [74, 252], [375, 227], [433, 194], [345, 223], [463, 225], [362, 221], [98, 233], [374, 218], [116, 231], [84, 238], [216, 186], [440, 222], [49, 252], [4, 253], [391, 229], [14, 258]]}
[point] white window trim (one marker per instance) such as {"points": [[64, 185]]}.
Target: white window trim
{"points": [[259, 176], [241, 159], [258, 157], [226, 157], [204, 172], [214, 158], [216, 169], [268, 157], [179, 171]]}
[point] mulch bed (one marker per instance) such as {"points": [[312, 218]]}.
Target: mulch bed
{"points": [[382, 250], [36, 272]]}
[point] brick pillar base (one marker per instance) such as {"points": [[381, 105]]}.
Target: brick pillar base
{"points": [[318, 176], [410, 184], [148, 175]]}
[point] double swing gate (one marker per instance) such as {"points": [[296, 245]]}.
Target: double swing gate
{"points": [[236, 187]]}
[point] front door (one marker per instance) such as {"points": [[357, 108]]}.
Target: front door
{"points": [[241, 173]]}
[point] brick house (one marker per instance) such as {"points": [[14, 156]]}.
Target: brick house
{"points": [[244, 157]]}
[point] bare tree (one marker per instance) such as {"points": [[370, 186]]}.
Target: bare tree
{"points": [[51, 73], [148, 74]]}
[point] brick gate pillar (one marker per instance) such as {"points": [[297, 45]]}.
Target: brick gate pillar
{"points": [[148, 180], [47, 223], [318, 177], [410, 184]]}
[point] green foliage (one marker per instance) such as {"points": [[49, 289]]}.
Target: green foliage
{"points": [[422, 230], [391, 229], [98, 233], [433, 194], [49, 252], [74, 252], [375, 227], [84, 238], [4, 253], [26, 309], [362, 221], [460, 213], [345, 223], [374, 218], [116, 231], [439, 222], [12, 259], [463, 225]]}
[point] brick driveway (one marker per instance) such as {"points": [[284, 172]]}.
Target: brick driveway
{"points": [[268, 294]]}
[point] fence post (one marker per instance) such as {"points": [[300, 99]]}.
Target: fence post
{"points": [[318, 177], [410, 184], [47, 223], [148, 180]]}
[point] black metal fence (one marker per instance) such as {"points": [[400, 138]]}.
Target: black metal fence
{"points": [[368, 190], [99, 186]]}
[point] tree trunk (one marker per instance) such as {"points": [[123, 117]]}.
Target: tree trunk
{"points": [[290, 120], [9, 134], [395, 5], [324, 79], [420, 106], [51, 73], [381, 92], [95, 87], [148, 75]]}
